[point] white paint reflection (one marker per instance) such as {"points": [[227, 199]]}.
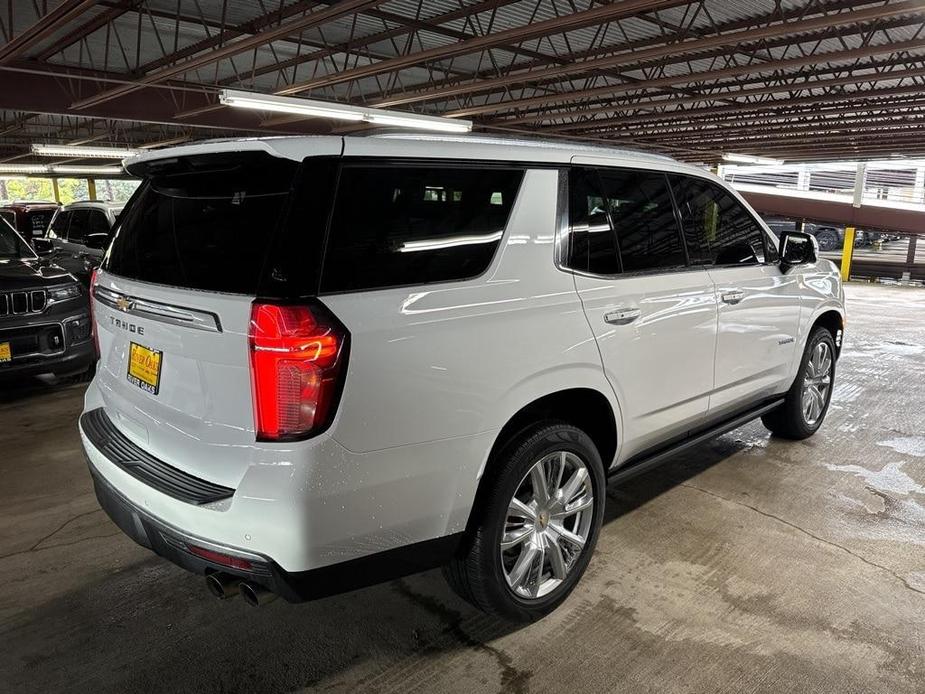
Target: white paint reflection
{"points": [[448, 242]]}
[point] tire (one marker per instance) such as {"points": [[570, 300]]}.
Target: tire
{"points": [[501, 581], [792, 420], [828, 240]]}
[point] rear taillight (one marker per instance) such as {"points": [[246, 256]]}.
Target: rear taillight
{"points": [[297, 368], [93, 329]]}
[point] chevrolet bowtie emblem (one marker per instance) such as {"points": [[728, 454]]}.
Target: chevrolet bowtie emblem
{"points": [[124, 304]]}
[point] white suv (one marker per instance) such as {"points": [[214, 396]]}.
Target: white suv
{"points": [[330, 361]]}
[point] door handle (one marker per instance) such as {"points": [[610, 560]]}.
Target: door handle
{"points": [[622, 316], [734, 296]]}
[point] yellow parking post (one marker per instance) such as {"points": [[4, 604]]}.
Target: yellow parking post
{"points": [[54, 188], [91, 188], [847, 253]]}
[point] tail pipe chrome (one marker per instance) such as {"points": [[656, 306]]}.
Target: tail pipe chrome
{"points": [[256, 595], [223, 586]]}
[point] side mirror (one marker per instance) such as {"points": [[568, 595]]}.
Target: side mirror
{"points": [[43, 247], [797, 248], [97, 242]]}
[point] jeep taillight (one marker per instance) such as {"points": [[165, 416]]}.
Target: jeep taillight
{"points": [[297, 358]]}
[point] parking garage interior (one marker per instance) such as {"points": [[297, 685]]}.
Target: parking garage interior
{"points": [[744, 563]]}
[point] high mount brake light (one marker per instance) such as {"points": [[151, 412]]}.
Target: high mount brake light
{"points": [[297, 355]]}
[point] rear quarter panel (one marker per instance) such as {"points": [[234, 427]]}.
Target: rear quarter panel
{"points": [[459, 359]]}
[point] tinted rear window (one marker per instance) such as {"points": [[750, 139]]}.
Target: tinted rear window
{"points": [[396, 225], [204, 222], [39, 220]]}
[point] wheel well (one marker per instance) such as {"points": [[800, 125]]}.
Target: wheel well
{"points": [[584, 408], [831, 321]]}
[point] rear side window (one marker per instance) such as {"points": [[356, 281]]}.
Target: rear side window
{"points": [[204, 222], [9, 217], [395, 225], [643, 218], [38, 221], [99, 224], [60, 224], [592, 246], [80, 220], [718, 229]]}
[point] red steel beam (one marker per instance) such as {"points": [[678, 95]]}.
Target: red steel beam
{"points": [[807, 81], [637, 44], [557, 25], [796, 126], [770, 106], [45, 27], [283, 30], [248, 28], [680, 48], [84, 30], [691, 77]]}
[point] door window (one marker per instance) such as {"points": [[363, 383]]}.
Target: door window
{"points": [[9, 216], [643, 218], [404, 225], [60, 224], [98, 224], [718, 230], [591, 247], [77, 233]]}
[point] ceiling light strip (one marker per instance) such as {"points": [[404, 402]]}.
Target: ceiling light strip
{"points": [[80, 152], [325, 109]]}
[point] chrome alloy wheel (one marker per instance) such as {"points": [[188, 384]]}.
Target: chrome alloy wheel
{"points": [[816, 383], [548, 523]]}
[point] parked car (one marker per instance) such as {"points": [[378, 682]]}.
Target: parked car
{"points": [[326, 361], [79, 234], [29, 219], [830, 237], [44, 315]]}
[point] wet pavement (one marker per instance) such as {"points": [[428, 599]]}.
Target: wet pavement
{"points": [[748, 564]]}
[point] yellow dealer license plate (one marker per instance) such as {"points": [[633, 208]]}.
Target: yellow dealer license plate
{"points": [[5, 353], [144, 368]]}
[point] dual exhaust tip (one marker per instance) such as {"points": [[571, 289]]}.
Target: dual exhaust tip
{"points": [[225, 586]]}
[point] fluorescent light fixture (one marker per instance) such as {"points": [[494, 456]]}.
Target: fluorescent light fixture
{"points": [[447, 125], [88, 170], [327, 109], [23, 168], [285, 104], [79, 152], [38, 169], [749, 159]]}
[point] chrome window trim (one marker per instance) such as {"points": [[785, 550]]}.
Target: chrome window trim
{"points": [[155, 310]]}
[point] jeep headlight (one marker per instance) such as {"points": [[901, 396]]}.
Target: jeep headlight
{"points": [[65, 293]]}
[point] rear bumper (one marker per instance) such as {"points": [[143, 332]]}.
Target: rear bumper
{"points": [[173, 544]]}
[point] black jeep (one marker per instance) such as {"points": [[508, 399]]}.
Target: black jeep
{"points": [[45, 325]]}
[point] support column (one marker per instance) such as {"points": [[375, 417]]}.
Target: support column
{"points": [[918, 188], [91, 188], [54, 187], [910, 257], [847, 254]]}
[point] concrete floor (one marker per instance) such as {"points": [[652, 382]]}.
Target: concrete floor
{"points": [[750, 564]]}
